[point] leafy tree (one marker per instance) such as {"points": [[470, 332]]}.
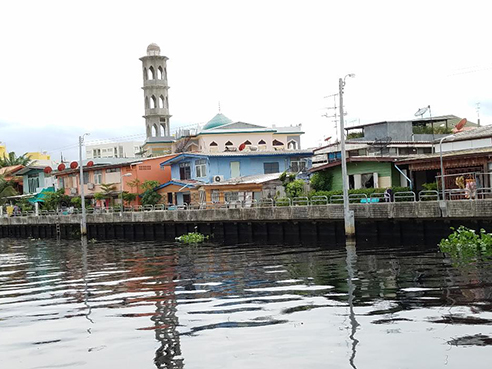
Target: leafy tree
{"points": [[55, 200], [6, 190], [295, 188], [150, 196], [25, 205], [321, 181], [12, 159], [106, 191], [128, 197]]}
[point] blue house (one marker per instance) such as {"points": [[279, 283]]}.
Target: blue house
{"points": [[190, 170]]}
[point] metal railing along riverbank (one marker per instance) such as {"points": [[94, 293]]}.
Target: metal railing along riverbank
{"points": [[374, 198]]}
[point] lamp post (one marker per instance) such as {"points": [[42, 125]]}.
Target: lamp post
{"points": [[83, 223], [348, 215], [443, 185], [121, 188]]}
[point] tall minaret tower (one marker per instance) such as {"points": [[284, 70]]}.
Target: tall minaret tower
{"points": [[157, 115]]}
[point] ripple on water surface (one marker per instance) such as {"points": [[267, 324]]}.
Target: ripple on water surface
{"points": [[144, 305]]}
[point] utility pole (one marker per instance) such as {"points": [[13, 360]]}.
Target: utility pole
{"points": [[348, 215], [83, 223]]}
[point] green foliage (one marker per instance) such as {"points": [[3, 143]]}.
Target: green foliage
{"points": [[99, 196], [76, 201], [128, 197], [353, 135], [150, 196], [54, 200], [192, 238], [295, 188], [322, 181], [430, 186], [25, 205], [431, 130], [12, 159], [465, 245], [6, 190], [366, 191]]}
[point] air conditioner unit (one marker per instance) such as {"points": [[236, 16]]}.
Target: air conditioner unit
{"points": [[73, 191], [90, 186], [217, 179]]}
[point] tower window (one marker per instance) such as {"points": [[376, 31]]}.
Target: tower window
{"points": [[146, 102], [159, 73], [161, 102], [151, 74], [153, 102]]}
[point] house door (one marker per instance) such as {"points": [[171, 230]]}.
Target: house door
{"points": [[235, 169]]}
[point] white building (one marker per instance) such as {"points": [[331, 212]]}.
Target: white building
{"points": [[129, 149]]}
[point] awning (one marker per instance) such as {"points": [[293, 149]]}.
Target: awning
{"points": [[39, 197]]}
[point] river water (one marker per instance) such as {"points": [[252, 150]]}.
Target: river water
{"points": [[148, 305]]}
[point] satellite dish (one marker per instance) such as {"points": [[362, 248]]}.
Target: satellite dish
{"points": [[47, 170], [421, 112], [90, 163], [242, 146], [460, 125], [61, 167], [74, 165]]}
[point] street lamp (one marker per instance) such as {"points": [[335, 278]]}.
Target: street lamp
{"points": [[121, 188], [83, 224], [348, 216], [443, 185]]}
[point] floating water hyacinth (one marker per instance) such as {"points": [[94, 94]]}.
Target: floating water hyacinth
{"points": [[192, 237], [466, 244]]}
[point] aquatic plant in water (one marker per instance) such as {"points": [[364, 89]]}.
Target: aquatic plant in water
{"points": [[465, 243], [191, 238]]}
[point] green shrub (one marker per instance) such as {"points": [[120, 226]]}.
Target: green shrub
{"points": [[321, 181]]}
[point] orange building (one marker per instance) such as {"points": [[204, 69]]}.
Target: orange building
{"points": [[124, 174]]}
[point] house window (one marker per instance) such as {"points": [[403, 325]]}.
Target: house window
{"points": [[215, 196], [261, 142], [213, 143], [98, 177], [184, 170], [277, 143], [201, 168], [231, 196], [144, 167], [271, 168], [86, 177], [33, 183], [61, 182], [297, 166], [113, 170]]}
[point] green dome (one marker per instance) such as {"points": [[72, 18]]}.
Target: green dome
{"points": [[217, 121]]}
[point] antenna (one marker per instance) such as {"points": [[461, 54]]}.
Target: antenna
{"points": [[478, 113], [219, 106], [335, 115]]}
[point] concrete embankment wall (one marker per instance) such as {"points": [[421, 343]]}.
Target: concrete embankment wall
{"points": [[403, 223]]}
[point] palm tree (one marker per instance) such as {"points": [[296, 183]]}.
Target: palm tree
{"points": [[6, 190], [11, 159]]}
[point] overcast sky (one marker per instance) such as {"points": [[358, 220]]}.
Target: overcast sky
{"points": [[70, 67]]}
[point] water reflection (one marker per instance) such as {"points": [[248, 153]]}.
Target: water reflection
{"points": [[110, 304], [351, 261]]}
